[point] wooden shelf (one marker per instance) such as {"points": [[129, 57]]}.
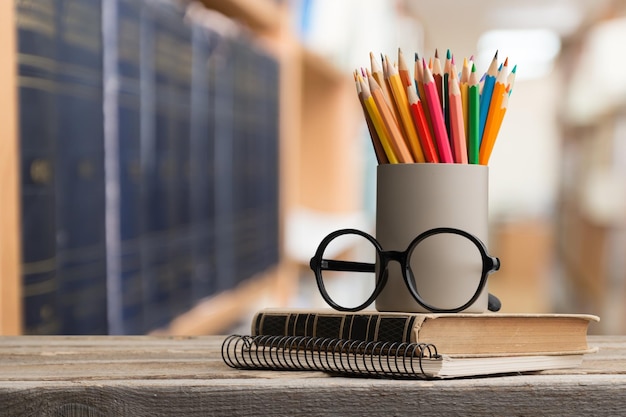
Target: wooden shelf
{"points": [[262, 16]]}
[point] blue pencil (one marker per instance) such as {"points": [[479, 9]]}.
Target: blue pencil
{"points": [[485, 96]]}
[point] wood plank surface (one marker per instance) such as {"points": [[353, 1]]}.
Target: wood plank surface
{"points": [[185, 376]]}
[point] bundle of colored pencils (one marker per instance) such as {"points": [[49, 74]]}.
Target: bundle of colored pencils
{"points": [[436, 115]]}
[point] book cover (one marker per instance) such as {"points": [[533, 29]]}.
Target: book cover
{"points": [[80, 190], [37, 65], [486, 333], [166, 244], [122, 121], [202, 163]]}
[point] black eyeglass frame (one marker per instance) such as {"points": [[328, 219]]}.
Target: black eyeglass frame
{"points": [[318, 264]]}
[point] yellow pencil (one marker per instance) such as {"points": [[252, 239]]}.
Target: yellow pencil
{"points": [[377, 121], [400, 150], [379, 151], [398, 91]]}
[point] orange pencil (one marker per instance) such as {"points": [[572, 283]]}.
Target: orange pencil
{"points": [[392, 103], [489, 134], [421, 124], [497, 124], [403, 70], [400, 150], [457, 122], [379, 76]]}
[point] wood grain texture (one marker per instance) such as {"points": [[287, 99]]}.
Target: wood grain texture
{"points": [[185, 376]]}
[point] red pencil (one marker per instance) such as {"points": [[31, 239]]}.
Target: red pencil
{"points": [[436, 114], [421, 124]]}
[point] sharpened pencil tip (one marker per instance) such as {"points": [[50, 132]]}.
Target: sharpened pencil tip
{"points": [[417, 58], [448, 55], [473, 67], [496, 55], [506, 62], [514, 69], [436, 53]]}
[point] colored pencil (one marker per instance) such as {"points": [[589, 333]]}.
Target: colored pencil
{"points": [[403, 70], [398, 91], [421, 124], [498, 123], [439, 127], [438, 77], [457, 123], [489, 133], [445, 94], [377, 120], [400, 150], [510, 81], [379, 76], [486, 92], [419, 79], [463, 85], [379, 151], [473, 120]]}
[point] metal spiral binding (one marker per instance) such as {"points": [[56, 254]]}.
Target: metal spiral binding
{"points": [[398, 360]]}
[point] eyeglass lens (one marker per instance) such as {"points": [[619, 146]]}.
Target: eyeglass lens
{"points": [[350, 289]]}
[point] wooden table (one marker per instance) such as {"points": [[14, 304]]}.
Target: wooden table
{"points": [[185, 376]]}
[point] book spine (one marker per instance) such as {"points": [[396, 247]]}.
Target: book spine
{"points": [[80, 182], [181, 142], [149, 186], [157, 163], [360, 326], [165, 152], [202, 164], [122, 139], [37, 60], [337, 356], [223, 104]]}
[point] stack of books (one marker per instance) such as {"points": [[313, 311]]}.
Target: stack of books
{"points": [[410, 345]]}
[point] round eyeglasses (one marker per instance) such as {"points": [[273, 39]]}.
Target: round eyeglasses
{"points": [[351, 268]]}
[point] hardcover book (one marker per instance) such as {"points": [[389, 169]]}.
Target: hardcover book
{"points": [[410, 345]]}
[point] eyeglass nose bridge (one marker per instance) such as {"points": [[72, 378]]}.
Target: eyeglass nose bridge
{"points": [[393, 255]]}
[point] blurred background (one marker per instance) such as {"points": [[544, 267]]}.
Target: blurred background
{"points": [[557, 180], [557, 184]]}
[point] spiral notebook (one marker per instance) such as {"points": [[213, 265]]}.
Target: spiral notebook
{"points": [[395, 360]]}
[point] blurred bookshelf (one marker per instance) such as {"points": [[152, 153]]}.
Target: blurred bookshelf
{"points": [[161, 240], [591, 211]]}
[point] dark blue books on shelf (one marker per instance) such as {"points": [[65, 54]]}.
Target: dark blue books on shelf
{"points": [[80, 194], [149, 162], [202, 163], [37, 66], [122, 119]]}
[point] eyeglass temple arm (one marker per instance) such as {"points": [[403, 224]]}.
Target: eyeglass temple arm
{"points": [[347, 266]]}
